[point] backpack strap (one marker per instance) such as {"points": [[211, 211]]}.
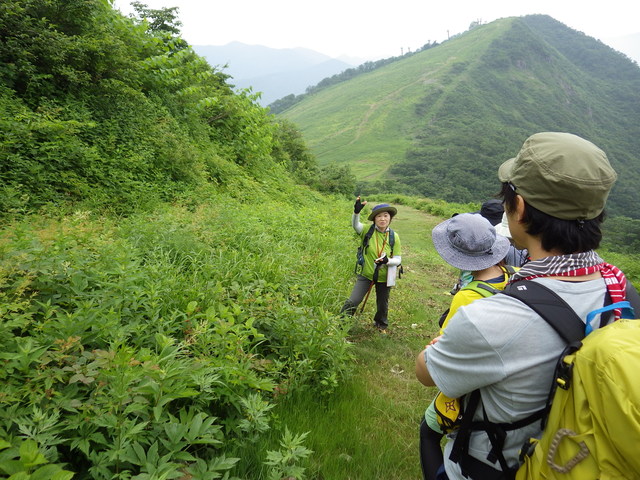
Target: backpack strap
{"points": [[633, 298], [369, 234], [550, 306], [481, 287], [367, 237], [363, 248], [509, 270], [487, 289]]}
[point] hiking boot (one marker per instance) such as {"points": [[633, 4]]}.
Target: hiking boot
{"points": [[381, 328]]}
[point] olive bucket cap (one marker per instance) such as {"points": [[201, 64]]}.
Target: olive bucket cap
{"points": [[561, 174], [383, 207]]}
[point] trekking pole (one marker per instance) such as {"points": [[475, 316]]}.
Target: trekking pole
{"points": [[366, 297]]}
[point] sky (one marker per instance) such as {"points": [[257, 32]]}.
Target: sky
{"points": [[375, 29]]}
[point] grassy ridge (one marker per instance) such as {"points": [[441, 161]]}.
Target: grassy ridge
{"points": [[438, 123], [379, 124]]}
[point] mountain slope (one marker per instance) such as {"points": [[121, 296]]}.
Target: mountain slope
{"points": [[440, 122]]}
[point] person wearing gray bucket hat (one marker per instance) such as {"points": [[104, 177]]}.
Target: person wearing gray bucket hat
{"points": [[377, 261], [554, 193], [469, 242]]}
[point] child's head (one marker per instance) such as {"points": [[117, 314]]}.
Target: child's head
{"points": [[469, 242]]}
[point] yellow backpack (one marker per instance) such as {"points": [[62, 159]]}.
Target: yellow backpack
{"points": [[591, 424], [593, 428]]}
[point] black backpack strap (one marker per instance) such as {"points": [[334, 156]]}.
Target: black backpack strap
{"points": [[367, 237], [369, 234], [461, 443], [550, 306]]}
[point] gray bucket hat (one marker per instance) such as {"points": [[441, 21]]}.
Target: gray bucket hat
{"points": [[469, 242]]}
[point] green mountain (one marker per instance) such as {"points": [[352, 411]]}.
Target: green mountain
{"points": [[439, 122]]}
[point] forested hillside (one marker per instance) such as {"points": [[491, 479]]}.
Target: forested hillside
{"points": [[119, 112], [440, 122]]}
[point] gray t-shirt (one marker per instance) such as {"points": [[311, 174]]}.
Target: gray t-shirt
{"points": [[509, 352]]}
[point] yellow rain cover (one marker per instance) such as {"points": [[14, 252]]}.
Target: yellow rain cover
{"points": [[593, 431]]}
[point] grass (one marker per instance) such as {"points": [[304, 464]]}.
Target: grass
{"points": [[368, 429], [101, 283]]}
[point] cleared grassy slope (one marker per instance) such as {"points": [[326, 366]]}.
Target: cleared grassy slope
{"points": [[438, 123], [369, 121]]}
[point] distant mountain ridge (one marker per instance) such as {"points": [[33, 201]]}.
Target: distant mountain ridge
{"points": [[274, 72], [439, 123]]}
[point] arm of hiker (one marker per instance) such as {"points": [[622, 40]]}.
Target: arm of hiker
{"points": [[422, 374], [464, 358], [355, 223], [355, 218]]}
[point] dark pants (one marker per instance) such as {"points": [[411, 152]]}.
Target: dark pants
{"points": [[358, 293], [431, 458]]}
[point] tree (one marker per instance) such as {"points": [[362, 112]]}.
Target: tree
{"points": [[162, 20]]}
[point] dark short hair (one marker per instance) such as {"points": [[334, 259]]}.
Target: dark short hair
{"points": [[568, 236]]}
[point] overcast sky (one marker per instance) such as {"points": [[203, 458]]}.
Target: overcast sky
{"points": [[375, 29]]}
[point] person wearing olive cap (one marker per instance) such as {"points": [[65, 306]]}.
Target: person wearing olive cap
{"points": [[554, 193], [378, 260]]}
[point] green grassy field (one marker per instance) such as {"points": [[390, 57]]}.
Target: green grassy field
{"points": [[368, 429], [377, 128]]}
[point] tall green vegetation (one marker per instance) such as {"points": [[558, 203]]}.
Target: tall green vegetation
{"points": [[155, 255], [157, 344], [119, 112]]}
